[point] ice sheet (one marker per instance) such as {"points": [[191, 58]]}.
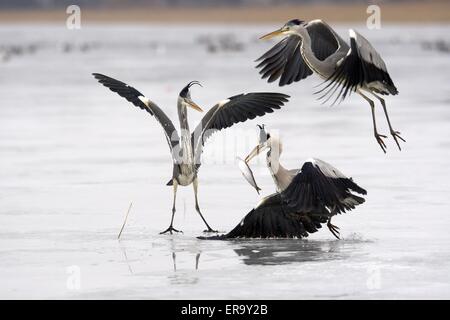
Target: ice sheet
{"points": [[73, 155]]}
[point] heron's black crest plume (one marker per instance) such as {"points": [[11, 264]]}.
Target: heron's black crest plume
{"points": [[185, 90], [296, 22]]}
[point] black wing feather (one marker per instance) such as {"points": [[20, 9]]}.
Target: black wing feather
{"points": [[274, 219], [133, 96], [123, 89], [311, 188], [308, 202], [239, 108], [323, 39], [284, 61], [362, 66]]}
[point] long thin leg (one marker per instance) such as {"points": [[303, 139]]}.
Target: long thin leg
{"points": [[197, 207], [395, 134], [378, 136], [170, 229]]}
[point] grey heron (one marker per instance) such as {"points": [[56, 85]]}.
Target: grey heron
{"points": [[186, 150], [304, 199], [315, 47]]}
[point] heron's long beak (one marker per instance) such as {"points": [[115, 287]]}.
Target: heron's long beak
{"points": [[273, 34], [193, 105], [257, 150]]}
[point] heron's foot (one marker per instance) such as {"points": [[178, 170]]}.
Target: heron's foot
{"points": [[333, 229], [395, 135], [209, 230], [170, 229], [380, 141]]}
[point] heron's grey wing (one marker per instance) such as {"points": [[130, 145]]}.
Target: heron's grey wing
{"points": [[233, 110], [284, 61], [139, 100], [324, 41], [319, 183], [362, 65]]}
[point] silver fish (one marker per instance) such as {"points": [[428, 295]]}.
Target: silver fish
{"points": [[247, 173]]}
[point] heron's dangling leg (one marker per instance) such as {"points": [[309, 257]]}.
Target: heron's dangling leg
{"points": [[395, 134], [170, 229], [197, 207], [333, 229], [378, 136]]}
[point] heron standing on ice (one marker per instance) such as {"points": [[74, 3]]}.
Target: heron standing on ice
{"points": [[305, 198], [186, 150], [315, 47]]}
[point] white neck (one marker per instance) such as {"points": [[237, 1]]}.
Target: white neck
{"points": [[185, 135], [280, 175]]}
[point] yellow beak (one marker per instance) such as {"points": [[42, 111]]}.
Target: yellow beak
{"points": [[272, 34], [193, 105], [256, 151]]}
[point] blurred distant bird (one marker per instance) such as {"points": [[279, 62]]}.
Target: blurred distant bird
{"points": [[315, 47], [186, 151], [305, 198]]}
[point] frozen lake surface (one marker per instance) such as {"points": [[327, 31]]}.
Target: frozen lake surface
{"points": [[73, 155]]}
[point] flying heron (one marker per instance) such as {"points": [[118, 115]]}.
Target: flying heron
{"points": [[315, 47], [186, 150], [305, 198]]}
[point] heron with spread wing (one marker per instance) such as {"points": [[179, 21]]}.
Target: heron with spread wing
{"points": [[186, 148], [314, 47], [304, 199]]}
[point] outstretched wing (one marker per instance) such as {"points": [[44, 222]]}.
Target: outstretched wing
{"points": [[319, 183], [139, 100], [274, 219], [233, 110], [361, 66], [284, 61]]}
